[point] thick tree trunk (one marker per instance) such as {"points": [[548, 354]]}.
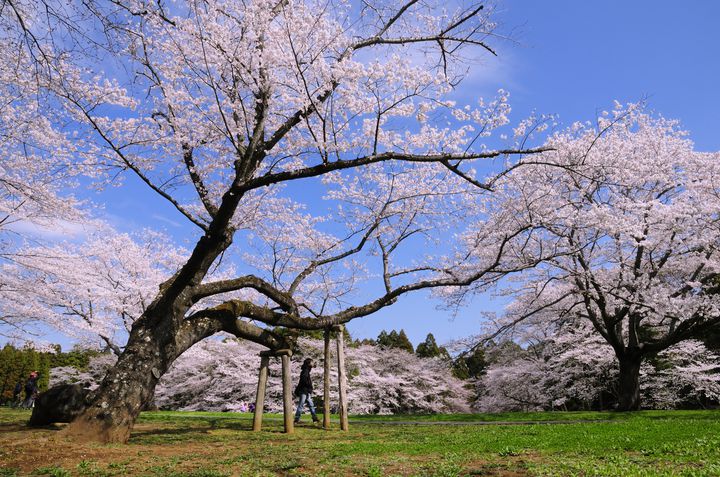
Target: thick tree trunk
{"points": [[629, 383], [162, 333], [129, 385]]}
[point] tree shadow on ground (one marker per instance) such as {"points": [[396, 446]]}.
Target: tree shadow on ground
{"points": [[25, 427], [171, 434]]}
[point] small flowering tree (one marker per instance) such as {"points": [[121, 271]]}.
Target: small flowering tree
{"points": [[685, 375], [389, 381], [89, 377]]}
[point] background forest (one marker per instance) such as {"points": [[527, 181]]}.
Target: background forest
{"points": [[389, 376]]}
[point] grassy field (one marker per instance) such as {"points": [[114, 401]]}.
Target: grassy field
{"points": [[180, 444]]}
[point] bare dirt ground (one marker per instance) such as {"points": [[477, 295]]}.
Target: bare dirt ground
{"points": [[186, 448]]}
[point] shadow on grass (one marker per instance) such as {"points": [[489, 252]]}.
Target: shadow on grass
{"points": [[25, 427], [205, 429], [167, 434]]}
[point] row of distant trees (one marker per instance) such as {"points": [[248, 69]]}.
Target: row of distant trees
{"points": [[576, 370], [221, 375], [16, 364], [428, 381], [572, 370], [466, 366]]}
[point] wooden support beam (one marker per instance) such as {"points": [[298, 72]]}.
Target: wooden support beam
{"points": [[287, 394], [326, 382], [260, 396], [274, 353], [342, 379]]}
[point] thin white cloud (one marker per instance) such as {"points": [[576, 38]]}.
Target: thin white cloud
{"points": [[166, 220], [56, 230]]}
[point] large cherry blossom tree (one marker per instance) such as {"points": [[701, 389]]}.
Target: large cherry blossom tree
{"points": [[29, 178], [227, 111], [630, 211], [571, 367], [38, 165]]}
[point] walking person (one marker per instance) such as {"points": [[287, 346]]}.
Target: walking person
{"points": [[31, 390], [304, 391], [16, 394]]}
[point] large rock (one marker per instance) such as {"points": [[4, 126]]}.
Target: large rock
{"points": [[60, 403]]}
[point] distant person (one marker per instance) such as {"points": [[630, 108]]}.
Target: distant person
{"points": [[16, 394], [304, 391], [31, 390]]}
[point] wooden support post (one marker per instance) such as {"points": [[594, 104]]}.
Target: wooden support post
{"points": [[342, 380], [326, 382], [260, 396], [287, 392]]}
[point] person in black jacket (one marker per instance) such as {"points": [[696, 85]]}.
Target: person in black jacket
{"points": [[304, 391], [31, 390]]}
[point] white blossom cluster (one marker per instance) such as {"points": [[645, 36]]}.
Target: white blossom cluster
{"points": [[222, 376], [219, 375]]}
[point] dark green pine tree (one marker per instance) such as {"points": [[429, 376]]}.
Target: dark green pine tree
{"points": [[476, 362], [428, 348], [395, 340], [383, 339], [470, 366], [403, 342], [16, 365]]}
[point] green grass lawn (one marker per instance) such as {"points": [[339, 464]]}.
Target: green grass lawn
{"points": [[183, 444]]}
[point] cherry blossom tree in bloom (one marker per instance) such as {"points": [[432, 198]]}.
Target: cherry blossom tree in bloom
{"points": [[29, 177], [572, 367], [90, 288], [40, 161], [630, 211], [221, 108]]}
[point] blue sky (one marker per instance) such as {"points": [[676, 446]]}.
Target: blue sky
{"points": [[568, 58], [573, 58]]}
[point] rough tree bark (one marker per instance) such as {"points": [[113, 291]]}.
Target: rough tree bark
{"points": [[130, 384], [629, 382], [159, 336]]}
